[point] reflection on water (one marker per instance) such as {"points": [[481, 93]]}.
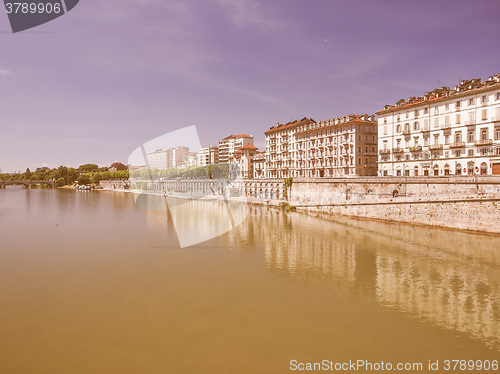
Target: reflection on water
{"points": [[90, 283], [445, 277]]}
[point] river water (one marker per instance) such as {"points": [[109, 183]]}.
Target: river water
{"points": [[90, 283]]}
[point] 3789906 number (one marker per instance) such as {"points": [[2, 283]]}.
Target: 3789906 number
{"points": [[470, 365], [32, 8]]}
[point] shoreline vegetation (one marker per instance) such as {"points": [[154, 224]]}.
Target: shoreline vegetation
{"points": [[91, 174], [87, 174]]}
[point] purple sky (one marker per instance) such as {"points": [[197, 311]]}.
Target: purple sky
{"points": [[95, 84]]}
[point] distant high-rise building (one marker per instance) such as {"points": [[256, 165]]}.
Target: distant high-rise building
{"points": [[232, 143]]}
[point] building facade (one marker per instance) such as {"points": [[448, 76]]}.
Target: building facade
{"points": [[445, 132], [208, 155], [167, 158], [339, 147], [230, 144]]}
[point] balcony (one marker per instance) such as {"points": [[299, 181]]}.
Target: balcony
{"points": [[484, 142], [416, 148], [397, 150], [384, 151], [435, 147], [457, 145], [406, 132]]}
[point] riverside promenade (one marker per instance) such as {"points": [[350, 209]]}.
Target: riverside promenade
{"points": [[470, 203]]}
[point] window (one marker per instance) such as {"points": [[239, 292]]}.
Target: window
{"points": [[426, 141], [484, 113], [436, 123], [398, 143], [407, 127], [470, 153], [458, 153], [407, 114], [484, 134], [447, 106], [398, 173], [471, 101], [484, 151], [497, 133], [398, 128], [426, 110], [457, 104], [416, 126], [416, 171], [458, 119], [497, 151], [416, 140], [359, 161], [458, 137], [416, 113], [447, 139], [436, 139], [498, 96], [484, 99], [470, 136]]}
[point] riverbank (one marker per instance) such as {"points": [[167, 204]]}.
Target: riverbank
{"points": [[468, 204]]}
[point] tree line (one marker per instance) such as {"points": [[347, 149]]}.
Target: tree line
{"points": [[214, 171], [64, 176]]}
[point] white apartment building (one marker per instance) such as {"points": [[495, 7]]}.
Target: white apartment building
{"points": [[166, 158], [338, 147], [445, 132], [192, 159], [157, 159], [232, 143], [208, 155]]}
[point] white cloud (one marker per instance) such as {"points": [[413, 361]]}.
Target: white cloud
{"points": [[5, 73], [248, 13]]}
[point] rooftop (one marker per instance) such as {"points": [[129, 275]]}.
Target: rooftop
{"points": [[465, 88]]}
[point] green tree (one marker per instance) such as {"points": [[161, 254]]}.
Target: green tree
{"points": [[83, 179], [87, 168], [27, 174]]}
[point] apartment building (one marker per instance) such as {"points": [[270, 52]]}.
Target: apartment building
{"points": [[338, 147], [166, 158], [232, 143], [243, 160], [445, 132], [208, 155]]}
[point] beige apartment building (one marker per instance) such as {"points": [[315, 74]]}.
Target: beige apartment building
{"points": [[338, 147], [232, 143], [445, 132]]}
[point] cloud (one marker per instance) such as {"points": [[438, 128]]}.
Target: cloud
{"points": [[244, 13], [5, 73]]}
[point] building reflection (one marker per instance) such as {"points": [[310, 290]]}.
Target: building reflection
{"points": [[448, 278]]}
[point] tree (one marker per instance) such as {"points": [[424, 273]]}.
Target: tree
{"points": [[88, 168], [83, 179], [27, 174]]}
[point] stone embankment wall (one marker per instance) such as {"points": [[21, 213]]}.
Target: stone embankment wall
{"points": [[468, 203]]}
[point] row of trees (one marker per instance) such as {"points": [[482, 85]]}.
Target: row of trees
{"points": [[84, 174], [214, 171], [92, 174]]}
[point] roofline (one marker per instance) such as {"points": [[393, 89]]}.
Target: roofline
{"points": [[455, 95]]}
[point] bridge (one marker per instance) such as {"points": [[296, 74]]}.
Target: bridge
{"points": [[28, 183]]}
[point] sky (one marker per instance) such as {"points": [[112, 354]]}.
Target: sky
{"points": [[96, 83]]}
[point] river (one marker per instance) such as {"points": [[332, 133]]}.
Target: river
{"points": [[90, 283]]}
